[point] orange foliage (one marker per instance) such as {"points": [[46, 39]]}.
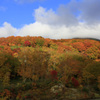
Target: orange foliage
{"points": [[47, 42], [79, 46], [87, 44], [62, 48], [7, 50]]}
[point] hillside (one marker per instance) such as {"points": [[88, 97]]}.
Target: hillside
{"points": [[37, 68]]}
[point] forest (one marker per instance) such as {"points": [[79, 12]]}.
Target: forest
{"points": [[37, 68]]}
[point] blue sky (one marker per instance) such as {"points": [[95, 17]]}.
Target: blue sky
{"points": [[19, 12], [50, 18]]}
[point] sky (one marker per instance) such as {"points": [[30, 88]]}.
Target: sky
{"points": [[55, 19]]}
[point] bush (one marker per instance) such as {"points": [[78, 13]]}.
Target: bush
{"points": [[39, 41], [79, 46], [27, 43], [90, 73], [72, 65], [34, 64], [93, 52], [93, 68], [8, 67], [75, 82]]}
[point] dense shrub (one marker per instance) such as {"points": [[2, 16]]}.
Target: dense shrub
{"points": [[53, 74], [31, 73], [72, 65], [8, 67], [92, 52], [75, 82], [47, 42], [79, 46], [40, 41], [87, 44], [93, 68], [34, 64], [27, 43]]}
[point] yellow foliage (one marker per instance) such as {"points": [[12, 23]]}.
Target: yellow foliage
{"points": [[33, 62], [11, 44], [15, 55]]}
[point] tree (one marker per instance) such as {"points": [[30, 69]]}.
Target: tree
{"points": [[8, 67], [72, 66], [34, 64]]}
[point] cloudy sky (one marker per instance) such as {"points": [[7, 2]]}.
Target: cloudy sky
{"points": [[53, 19]]}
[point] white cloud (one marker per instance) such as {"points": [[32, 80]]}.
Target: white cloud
{"points": [[46, 17], [71, 13], [62, 17], [7, 30], [58, 32], [51, 31]]}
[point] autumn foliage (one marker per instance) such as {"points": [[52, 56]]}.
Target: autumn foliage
{"points": [[27, 43], [75, 82], [79, 46], [31, 66], [54, 74]]}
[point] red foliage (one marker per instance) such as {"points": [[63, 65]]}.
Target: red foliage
{"points": [[7, 92], [75, 82], [27, 43], [54, 74]]}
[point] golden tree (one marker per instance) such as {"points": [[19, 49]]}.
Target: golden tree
{"points": [[34, 63]]}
